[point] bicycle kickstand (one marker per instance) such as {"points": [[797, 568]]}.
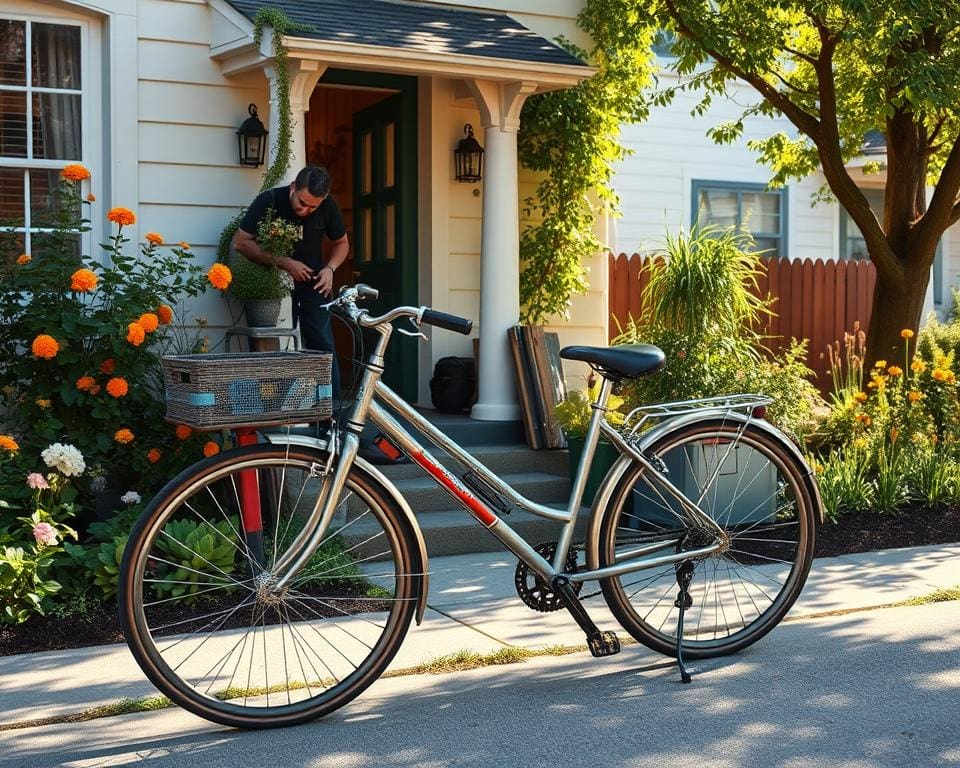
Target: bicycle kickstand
{"points": [[683, 601]]}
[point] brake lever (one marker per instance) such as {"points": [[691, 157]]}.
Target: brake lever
{"points": [[416, 332]]}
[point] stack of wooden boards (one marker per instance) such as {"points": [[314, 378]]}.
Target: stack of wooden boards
{"points": [[536, 357]]}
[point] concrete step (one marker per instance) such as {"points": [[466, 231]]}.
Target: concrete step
{"points": [[499, 459], [424, 495], [457, 533]]}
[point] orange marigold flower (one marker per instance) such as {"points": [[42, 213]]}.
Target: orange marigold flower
{"points": [[860, 397], [45, 346], [85, 382], [183, 431], [918, 366], [153, 455], [107, 366], [75, 172], [121, 216], [91, 198], [83, 280], [149, 322], [185, 246], [135, 334], [906, 333], [210, 448], [164, 314], [880, 364], [117, 387], [913, 395], [7, 443], [220, 276], [43, 402], [23, 258], [154, 238], [863, 419], [895, 370], [95, 389], [939, 375], [894, 434], [123, 436]]}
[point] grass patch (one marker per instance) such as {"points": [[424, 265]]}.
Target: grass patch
{"points": [[466, 659], [937, 596]]}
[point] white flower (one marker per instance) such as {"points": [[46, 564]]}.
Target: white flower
{"points": [[130, 498], [66, 458]]}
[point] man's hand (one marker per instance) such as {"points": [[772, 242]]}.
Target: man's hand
{"points": [[323, 282], [299, 271]]}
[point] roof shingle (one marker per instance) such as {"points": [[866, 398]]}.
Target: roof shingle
{"points": [[416, 26]]}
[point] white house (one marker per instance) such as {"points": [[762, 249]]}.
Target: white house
{"points": [[149, 94], [677, 174]]}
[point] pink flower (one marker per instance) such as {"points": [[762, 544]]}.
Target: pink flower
{"points": [[37, 481], [44, 533]]}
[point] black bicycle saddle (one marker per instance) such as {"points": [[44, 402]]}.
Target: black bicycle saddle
{"points": [[621, 362]]}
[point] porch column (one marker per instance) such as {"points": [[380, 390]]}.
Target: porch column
{"points": [[500, 105], [303, 77]]}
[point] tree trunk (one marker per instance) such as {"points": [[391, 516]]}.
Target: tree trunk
{"points": [[897, 305]]}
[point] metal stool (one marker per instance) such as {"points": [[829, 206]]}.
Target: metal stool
{"points": [[291, 334]]}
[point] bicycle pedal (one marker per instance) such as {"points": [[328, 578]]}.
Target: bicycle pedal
{"points": [[603, 644]]}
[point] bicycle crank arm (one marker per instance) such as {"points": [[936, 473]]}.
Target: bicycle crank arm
{"points": [[599, 643]]}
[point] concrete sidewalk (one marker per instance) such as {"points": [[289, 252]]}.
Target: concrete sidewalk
{"points": [[472, 606]]}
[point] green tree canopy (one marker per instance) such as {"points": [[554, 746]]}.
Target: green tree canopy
{"points": [[837, 70]]}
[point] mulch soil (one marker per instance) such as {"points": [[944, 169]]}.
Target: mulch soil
{"points": [[857, 532]]}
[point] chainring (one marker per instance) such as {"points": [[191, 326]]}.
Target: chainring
{"points": [[534, 592]]}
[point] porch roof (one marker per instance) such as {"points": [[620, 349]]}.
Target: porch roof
{"points": [[418, 27]]}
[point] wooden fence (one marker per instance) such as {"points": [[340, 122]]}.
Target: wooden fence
{"points": [[813, 300]]}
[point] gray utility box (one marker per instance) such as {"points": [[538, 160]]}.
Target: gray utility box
{"points": [[744, 473]]}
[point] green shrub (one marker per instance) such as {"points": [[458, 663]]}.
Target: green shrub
{"points": [[252, 281], [199, 557]]}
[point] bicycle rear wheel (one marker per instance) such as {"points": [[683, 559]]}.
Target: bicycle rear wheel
{"points": [[198, 603], [754, 487]]}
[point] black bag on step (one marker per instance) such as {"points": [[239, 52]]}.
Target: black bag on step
{"points": [[453, 388]]}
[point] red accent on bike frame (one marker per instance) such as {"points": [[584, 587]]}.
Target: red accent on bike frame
{"points": [[471, 502], [249, 488]]}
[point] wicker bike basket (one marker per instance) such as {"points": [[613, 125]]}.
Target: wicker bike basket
{"points": [[251, 389]]}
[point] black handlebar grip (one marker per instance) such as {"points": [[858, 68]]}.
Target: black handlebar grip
{"points": [[450, 322], [367, 291]]}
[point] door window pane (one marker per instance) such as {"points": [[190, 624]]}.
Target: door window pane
{"points": [[761, 211], [366, 235], [366, 163], [390, 232], [13, 52], [388, 156], [56, 56]]}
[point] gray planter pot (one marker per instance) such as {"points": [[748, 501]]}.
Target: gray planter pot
{"points": [[262, 313]]}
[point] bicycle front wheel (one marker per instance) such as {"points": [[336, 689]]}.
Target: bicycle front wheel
{"points": [[754, 487], [201, 611]]}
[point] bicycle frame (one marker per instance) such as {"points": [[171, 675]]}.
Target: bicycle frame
{"points": [[376, 401]]}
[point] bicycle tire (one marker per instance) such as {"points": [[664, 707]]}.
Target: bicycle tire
{"points": [[192, 597], [760, 496]]}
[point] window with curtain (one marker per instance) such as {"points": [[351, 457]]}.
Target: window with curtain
{"points": [[746, 207], [41, 103]]}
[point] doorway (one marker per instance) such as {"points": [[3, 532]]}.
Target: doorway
{"points": [[362, 127]]}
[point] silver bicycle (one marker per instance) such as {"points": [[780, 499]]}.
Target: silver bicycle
{"points": [[271, 584]]}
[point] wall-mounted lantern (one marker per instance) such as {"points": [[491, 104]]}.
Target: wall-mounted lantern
{"points": [[252, 139], [469, 157]]}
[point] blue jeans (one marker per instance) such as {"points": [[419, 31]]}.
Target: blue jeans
{"points": [[315, 330]]}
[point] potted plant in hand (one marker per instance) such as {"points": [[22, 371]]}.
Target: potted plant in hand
{"points": [[263, 288], [574, 414]]}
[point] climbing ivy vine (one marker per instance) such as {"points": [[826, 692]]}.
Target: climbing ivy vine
{"points": [[282, 151], [572, 138]]}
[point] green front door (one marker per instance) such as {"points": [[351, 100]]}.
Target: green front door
{"points": [[384, 223]]}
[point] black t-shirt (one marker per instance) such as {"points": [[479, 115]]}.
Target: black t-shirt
{"points": [[326, 220]]}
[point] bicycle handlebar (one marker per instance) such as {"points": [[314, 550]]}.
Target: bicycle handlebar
{"points": [[349, 295]]}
